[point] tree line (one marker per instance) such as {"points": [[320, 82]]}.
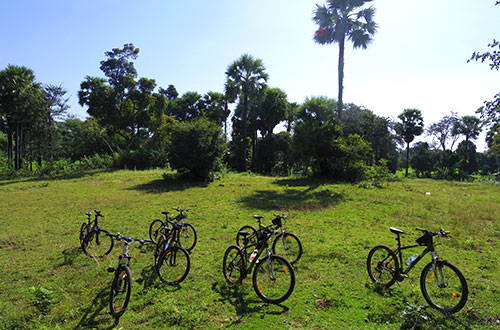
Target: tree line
{"points": [[133, 123]]}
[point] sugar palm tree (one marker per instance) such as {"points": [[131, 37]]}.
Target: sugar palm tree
{"points": [[339, 20], [245, 77]]}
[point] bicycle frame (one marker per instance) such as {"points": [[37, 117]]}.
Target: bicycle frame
{"points": [[399, 253], [261, 245]]}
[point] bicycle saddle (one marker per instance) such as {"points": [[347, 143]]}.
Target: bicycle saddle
{"points": [[397, 231]]}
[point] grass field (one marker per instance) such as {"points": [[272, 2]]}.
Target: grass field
{"points": [[47, 282]]}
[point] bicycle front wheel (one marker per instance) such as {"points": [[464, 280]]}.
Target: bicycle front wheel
{"points": [[188, 237], [382, 265], [444, 288], [273, 279], [155, 230], [233, 265], [173, 265], [97, 243], [120, 291], [288, 245]]}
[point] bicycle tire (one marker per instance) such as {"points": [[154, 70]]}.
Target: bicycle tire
{"points": [[234, 265], [382, 265], [84, 230], [188, 237], [155, 229], [120, 290], [251, 230], [98, 243], [173, 265], [444, 298], [273, 285], [289, 246], [160, 247]]}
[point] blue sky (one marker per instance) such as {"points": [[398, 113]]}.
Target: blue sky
{"points": [[418, 58]]}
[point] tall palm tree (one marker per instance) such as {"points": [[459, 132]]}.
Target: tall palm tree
{"points": [[341, 19], [411, 125], [245, 77]]}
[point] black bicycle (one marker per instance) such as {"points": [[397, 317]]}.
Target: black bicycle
{"points": [[188, 236], [285, 244], [273, 277], [121, 286], [95, 241], [171, 260], [443, 285]]}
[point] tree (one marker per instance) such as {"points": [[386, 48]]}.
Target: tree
{"points": [[490, 111], [423, 159], [470, 128], [121, 104], [374, 130], [318, 142], [22, 104], [341, 19], [411, 125], [272, 110], [443, 130], [244, 78]]}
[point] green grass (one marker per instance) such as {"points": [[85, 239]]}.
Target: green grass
{"points": [[46, 281]]}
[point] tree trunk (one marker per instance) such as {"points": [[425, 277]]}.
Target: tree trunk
{"points": [[341, 75], [9, 145], [407, 158], [244, 133]]}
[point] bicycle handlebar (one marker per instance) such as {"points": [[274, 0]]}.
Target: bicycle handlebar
{"points": [[440, 233], [98, 214], [129, 239]]}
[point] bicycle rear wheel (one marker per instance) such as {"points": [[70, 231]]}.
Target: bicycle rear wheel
{"points": [[97, 243], [173, 265], [233, 265], [382, 265], [273, 280], [445, 289], [155, 230], [84, 230], [120, 291], [188, 237], [288, 246]]}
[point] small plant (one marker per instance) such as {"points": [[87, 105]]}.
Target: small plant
{"points": [[42, 298]]}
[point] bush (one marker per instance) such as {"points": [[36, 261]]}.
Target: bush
{"points": [[196, 148]]}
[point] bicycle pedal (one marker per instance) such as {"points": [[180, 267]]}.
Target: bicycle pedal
{"points": [[400, 278], [111, 270]]}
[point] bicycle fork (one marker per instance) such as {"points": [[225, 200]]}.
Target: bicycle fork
{"points": [[438, 274], [270, 266]]}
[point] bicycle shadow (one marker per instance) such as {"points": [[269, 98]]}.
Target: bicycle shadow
{"points": [[244, 306], [69, 256], [93, 315]]}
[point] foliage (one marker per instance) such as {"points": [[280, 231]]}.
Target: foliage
{"points": [[273, 154], [318, 142], [422, 160], [42, 298], [374, 130], [196, 148]]}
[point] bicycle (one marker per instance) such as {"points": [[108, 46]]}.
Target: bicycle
{"points": [[121, 286], [442, 284], [273, 278], [189, 237], [171, 259], [96, 242], [285, 244]]}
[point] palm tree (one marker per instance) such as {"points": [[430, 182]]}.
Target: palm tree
{"points": [[411, 125], [341, 19], [245, 77]]}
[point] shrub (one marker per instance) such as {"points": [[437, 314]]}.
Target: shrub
{"points": [[196, 148]]}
